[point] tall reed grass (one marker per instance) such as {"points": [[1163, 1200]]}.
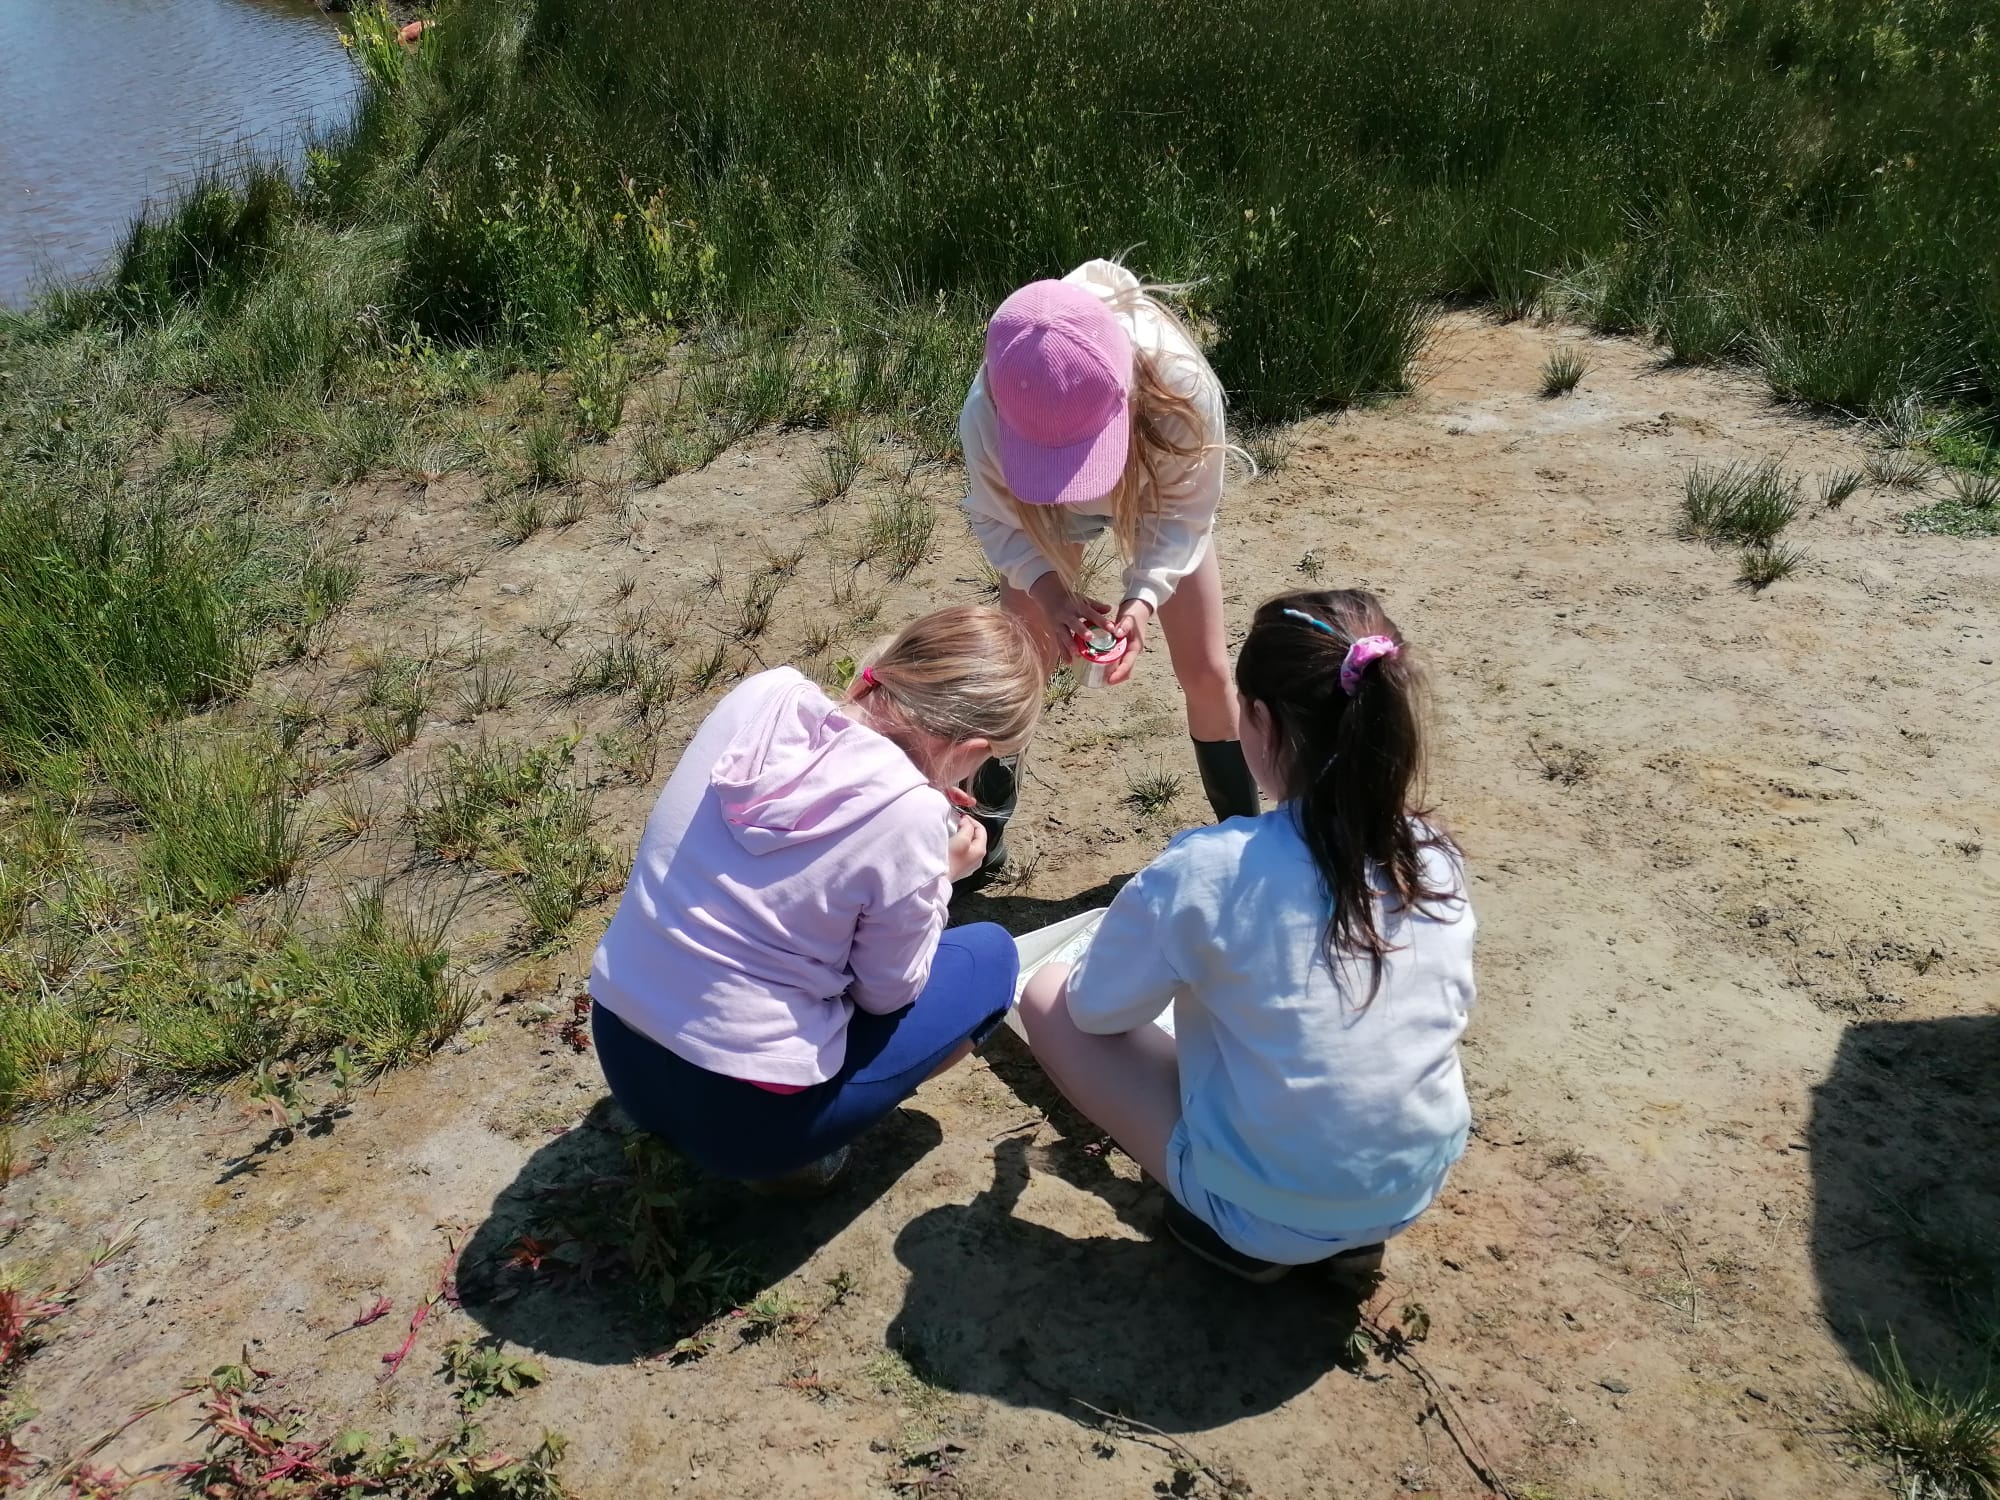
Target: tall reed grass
{"points": [[1799, 182]]}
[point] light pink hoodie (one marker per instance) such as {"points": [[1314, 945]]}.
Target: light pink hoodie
{"points": [[794, 867]]}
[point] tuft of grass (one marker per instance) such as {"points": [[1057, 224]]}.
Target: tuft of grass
{"points": [[381, 983], [1062, 686], [555, 622], [615, 668], [1942, 1444], [1899, 469], [900, 531], [1153, 791], [1836, 487], [487, 688], [817, 640], [753, 610], [1971, 510], [1976, 489], [350, 814], [1760, 566], [783, 562], [670, 444], [1270, 447], [547, 457], [709, 668], [839, 465], [520, 516], [515, 811], [220, 818], [1563, 371], [1740, 503]]}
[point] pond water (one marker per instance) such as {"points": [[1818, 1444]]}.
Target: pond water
{"points": [[105, 104]]}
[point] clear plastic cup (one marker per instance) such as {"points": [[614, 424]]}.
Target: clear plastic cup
{"points": [[1099, 650]]}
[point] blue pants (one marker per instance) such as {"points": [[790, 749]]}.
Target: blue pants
{"points": [[735, 1129]]}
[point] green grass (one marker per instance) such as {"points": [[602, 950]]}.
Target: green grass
{"points": [[1562, 371], [805, 212], [1838, 486], [1153, 792], [518, 812], [1941, 1444], [1762, 565], [1899, 469], [839, 465], [1971, 510], [219, 814], [899, 532], [1740, 504]]}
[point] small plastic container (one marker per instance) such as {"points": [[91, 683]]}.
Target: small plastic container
{"points": [[1099, 648]]}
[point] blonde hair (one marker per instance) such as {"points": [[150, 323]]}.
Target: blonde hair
{"points": [[1166, 422], [967, 672]]}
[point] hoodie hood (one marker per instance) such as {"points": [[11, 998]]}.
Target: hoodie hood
{"points": [[804, 770]]}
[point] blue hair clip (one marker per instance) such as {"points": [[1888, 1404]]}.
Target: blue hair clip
{"points": [[1316, 623]]}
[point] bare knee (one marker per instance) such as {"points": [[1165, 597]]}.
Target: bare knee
{"points": [[1206, 678]]}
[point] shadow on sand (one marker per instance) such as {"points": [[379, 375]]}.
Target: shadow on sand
{"points": [[1029, 1316], [1905, 1152], [595, 1312]]}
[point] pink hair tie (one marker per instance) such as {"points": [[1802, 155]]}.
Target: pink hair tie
{"points": [[1365, 650], [868, 678]]}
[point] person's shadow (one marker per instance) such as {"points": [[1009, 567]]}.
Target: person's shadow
{"points": [[573, 1257], [1906, 1197], [1021, 914], [1136, 1328]]}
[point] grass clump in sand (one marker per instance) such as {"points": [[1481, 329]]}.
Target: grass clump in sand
{"points": [[1744, 504], [518, 813], [1563, 371], [1942, 1444]]}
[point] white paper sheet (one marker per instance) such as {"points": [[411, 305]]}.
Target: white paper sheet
{"points": [[1064, 942]]}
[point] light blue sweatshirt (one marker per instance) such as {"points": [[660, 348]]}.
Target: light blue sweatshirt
{"points": [[1305, 1103]]}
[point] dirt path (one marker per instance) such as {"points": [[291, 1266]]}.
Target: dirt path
{"points": [[1732, 1059]]}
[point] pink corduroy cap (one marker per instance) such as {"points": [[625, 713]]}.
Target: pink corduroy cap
{"points": [[1059, 374]]}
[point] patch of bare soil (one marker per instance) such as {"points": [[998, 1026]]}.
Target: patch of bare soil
{"points": [[1735, 1045]]}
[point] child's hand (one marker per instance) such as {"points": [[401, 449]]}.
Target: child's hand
{"points": [[1069, 614], [1133, 617], [967, 850]]}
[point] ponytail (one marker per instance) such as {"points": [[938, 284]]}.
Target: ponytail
{"points": [[1345, 702]]}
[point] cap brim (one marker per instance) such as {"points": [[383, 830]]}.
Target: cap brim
{"points": [[1064, 476]]}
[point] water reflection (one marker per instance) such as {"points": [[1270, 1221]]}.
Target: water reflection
{"points": [[105, 103]]}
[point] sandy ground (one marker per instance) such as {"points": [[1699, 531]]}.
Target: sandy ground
{"points": [[1734, 1047]]}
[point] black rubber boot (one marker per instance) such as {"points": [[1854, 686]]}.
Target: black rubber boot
{"points": [[996, 789], [1225, 776]]}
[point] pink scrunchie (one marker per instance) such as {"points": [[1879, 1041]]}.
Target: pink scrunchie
{"points": [[1365, 650]]}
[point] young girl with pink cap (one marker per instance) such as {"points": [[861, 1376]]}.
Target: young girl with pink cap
{"points": [[1095, 411]]}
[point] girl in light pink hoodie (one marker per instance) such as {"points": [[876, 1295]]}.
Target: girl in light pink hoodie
{"points": [[778, 976]]}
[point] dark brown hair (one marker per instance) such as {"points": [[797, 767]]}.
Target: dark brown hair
{"points": [[1353, 767]]}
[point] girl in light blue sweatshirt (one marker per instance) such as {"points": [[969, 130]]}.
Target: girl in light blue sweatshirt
{"points": [[1319, 962]]}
